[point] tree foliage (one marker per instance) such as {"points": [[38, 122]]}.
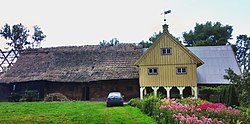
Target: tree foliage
{"points": [[229, 96], [208, 34], [18, 36], [243, 51], [151, 40], [112, 42], [38, 36], [242, 83]]}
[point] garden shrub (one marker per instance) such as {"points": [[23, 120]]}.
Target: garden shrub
{"points": [[199, 112], [190, 111], [242, 83], [15, 97], [150, 104], [210, 93], [134, 102], [192, 101], [229, 96], [244, 110], [248, 112], [30, 95], [55, 97]]}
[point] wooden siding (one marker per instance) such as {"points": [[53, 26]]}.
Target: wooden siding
{"points": [[167, 76], [166, 64], [178, 55]]}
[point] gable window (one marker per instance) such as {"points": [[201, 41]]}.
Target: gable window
{"points": [[181, 70], [166, 51], [152, 71]]}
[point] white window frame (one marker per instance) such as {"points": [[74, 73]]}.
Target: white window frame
{"points": [[168, 51], [181, 70], [154, 71]]}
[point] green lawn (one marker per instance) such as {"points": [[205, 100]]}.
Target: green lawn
{"points": [[70, 112]]}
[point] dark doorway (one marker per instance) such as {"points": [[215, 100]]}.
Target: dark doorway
{"points": [[149, 90], [162, 92], [85, 93], [187, 92], [175, 93]]}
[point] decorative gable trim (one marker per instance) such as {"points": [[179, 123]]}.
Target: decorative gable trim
{"points": [[197, 60]]}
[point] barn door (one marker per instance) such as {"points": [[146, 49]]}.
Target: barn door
{"points": [[85, 93]]}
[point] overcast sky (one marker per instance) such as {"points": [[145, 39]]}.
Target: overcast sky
{"points": [[82, 22]]}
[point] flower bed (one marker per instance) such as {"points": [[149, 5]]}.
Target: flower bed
{"points": [[188, 111]]}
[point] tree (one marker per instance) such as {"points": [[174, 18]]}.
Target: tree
{"points": [[242, 83], [146, 44], [151, 40], [18, 36], [38, 36], [243, 51], [112, 42], [208, 34], [155, 36], [229, 96]]}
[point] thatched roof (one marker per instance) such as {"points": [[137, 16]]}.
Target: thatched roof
{"points": [[75, 64]]}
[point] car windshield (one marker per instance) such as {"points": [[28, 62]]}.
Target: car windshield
{"points": [[114, 94]]}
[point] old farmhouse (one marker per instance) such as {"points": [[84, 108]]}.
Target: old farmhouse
{"points": [[91, 72]]}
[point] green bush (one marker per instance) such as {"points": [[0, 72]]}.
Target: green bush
{"points": [[248, 112], [134, 102], [15, 97], [149, 105], [210, 94], [244, 110], [31, 95], [229, 96], [242, 83]]}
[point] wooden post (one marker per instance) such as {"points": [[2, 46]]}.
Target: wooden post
{"points": [[141, 92], [168, 91], [181, 90], [155, 90]]}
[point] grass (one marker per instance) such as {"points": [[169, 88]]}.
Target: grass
{"points": [[70, 112]]}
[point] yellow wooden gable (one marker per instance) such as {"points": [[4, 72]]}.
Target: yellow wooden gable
{"points": [[167, 64], [180, 54]]}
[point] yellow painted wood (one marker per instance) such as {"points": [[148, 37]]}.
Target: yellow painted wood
{"points": [[166, 64], [178, 56], [167, 76]]}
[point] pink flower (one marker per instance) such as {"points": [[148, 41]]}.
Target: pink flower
{"points": [[174, 116], [179, 115], [198, 109], [182, 118], [208, 106], [229, 108], [189, 120]]}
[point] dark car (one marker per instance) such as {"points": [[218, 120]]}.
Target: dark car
{"points": [[115, 99]]}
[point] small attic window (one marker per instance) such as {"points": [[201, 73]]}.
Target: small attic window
{"points": [[152, 71], [181, 70], [166, 51]]}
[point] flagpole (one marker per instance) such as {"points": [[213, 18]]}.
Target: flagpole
{"points": [[164, 13], [164, 17]]}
